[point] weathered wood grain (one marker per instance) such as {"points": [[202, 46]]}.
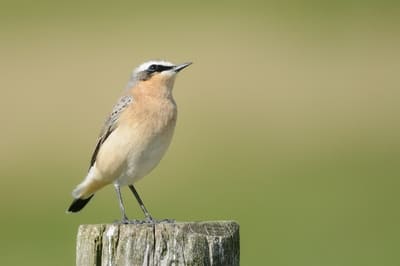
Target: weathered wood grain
{"points": [[180, 243]]}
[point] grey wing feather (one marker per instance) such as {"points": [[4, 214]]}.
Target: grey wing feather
{"points": [[110, 124]]}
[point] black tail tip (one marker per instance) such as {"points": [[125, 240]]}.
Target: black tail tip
{"points": [[78, 204]]}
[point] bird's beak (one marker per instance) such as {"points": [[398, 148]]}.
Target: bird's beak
{"points": [[181, 66]]}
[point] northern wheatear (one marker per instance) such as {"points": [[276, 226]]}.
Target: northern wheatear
{"points": [[135, 136]]}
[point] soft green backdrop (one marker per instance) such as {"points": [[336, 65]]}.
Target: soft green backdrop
{"points": [[289, 123]]}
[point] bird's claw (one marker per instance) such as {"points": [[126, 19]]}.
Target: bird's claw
{"points": [[147, 220]]}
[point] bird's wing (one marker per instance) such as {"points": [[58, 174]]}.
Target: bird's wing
{"points": [[110, 124]]}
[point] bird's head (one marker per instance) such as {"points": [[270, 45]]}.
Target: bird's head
{"points": [[156, 75]]}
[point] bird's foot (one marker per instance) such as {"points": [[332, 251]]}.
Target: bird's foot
{"points": [[124, 220], [166, 221], [150, 220], [147, 220], [135, 221]]}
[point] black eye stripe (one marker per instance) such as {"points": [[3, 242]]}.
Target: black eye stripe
{"points": [[163, 68], [158, 68]]}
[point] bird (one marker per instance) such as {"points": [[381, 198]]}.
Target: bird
{"points": [[134, 137]]}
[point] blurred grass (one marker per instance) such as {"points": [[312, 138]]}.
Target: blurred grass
{"points": [[289, 123]]}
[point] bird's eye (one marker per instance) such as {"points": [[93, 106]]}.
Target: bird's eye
{"points": [[152, 68]]}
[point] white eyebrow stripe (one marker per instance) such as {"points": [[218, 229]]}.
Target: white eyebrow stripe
{"points": [[146, 65], [136, 72]]}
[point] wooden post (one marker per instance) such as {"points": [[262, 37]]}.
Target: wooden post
{"points": [[180, 243]]}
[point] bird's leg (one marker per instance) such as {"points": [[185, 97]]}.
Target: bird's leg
{"points": [[124, 219], [139, 200]]}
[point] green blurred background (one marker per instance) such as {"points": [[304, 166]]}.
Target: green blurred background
{"points": [[289, 123]]}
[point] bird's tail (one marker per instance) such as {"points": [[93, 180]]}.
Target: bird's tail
{"points": [[78, 204], [85, 190]]}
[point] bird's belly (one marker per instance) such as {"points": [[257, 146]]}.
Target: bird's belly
{"points": [[140, 161]]}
